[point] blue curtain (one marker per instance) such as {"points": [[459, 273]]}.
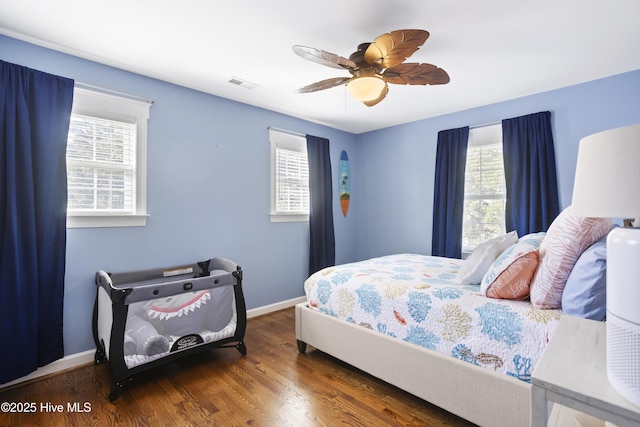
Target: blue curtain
{"points": [[322, 243], [530, 173], [35, 109], [448, 200]]}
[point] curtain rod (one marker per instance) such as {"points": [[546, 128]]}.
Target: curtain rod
{"points": [[482, 125], [114, 92], [290, 132]]}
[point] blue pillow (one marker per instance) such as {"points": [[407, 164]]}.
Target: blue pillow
{"points": [[585, 294]]}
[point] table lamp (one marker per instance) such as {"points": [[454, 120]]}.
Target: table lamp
{"points": [[607, 184]]}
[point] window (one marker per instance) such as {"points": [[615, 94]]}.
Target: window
{"points": [[289, 177], [106, 161], [484, 187]]}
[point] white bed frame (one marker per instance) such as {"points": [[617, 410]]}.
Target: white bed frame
{"points": [[477, 394]]}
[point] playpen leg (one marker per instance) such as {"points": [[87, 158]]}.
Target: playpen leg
{"points": [[116, 388], [99, 357], [115, 391], [242, 348]]}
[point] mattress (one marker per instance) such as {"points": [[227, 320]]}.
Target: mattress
{"points": [[415, 298]]}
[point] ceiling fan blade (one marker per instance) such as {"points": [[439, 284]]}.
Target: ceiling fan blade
{"points": [[324, 84], [413, 73], [393, 48], [324, 58], [382, 96]]}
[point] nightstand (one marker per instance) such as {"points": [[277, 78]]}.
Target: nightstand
{"points": [[573, 373]]}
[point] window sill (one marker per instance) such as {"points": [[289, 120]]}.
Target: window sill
{"points": [[289, 217], [99, 221]]}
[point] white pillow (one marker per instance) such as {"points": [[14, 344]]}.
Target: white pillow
{"points": [[474, 268]]}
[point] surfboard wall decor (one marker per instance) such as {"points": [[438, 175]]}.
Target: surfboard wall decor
{"points": [[344, 185]]}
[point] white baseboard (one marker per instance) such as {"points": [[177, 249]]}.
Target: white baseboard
{"points": [[67, 362], [85, 357], [274, 307]]}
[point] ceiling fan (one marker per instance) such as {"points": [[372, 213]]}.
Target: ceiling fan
{"points": [[375, 64]]}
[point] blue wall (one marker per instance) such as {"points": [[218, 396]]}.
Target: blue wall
{"points": [[208, 181], [396, 182], [208, 193]]}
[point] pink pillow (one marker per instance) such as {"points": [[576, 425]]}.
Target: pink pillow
{"points": [[567, 237], [510, 275], [513, 283]]}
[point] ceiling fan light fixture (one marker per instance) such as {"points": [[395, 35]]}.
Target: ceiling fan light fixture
{"points": [[366, 88], [375, 65]]}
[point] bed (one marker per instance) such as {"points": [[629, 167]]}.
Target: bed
{"points": [[420, 323]]}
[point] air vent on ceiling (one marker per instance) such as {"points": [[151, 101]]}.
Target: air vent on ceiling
{"points": [[243, 83]]}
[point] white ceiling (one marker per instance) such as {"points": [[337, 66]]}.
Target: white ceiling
{"points": [[493, 50]]}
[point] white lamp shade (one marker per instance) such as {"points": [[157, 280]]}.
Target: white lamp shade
{"points": [[366, 88], [607, 181]]}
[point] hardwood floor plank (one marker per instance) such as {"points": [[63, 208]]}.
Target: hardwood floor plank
{"points": [[272, 385]]}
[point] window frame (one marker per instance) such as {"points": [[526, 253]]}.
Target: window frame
{"points": [[106, 106], [481, 137], [284, 141]]}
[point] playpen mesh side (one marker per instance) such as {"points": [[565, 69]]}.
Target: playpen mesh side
{"points": [[165, 325], [105, 319]]}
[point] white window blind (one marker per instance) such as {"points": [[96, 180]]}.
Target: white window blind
{"points": [[106, 160], [289, 177], [485, 191], [101, 165], [292, 190]]}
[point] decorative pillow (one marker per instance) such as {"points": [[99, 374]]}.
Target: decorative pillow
{"points": [[509, 277], [567, 237], [474, 268], [585, 292]]}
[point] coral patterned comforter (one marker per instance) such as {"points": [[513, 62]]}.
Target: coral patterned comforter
{"points": [[414, 298]]}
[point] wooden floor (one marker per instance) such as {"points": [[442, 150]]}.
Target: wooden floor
{"points": [[273, 385]]}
